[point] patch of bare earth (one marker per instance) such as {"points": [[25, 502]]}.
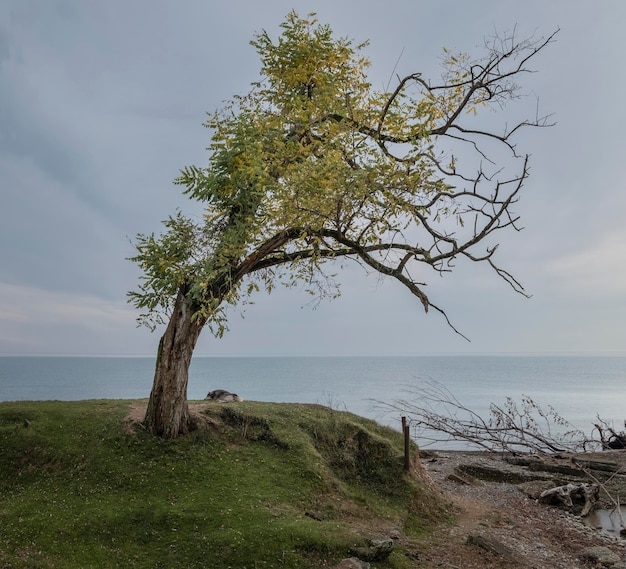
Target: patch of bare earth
{"points": [[533, 535], [137, 412]]}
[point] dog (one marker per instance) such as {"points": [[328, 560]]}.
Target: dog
{"points": [[222, 396]]}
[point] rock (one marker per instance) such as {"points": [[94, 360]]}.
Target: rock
{"points": [[537, 465], [599, 465], [396, 534], [464, 479], [600, 554], [377, 550], [497, 473], [492, 545], [222, 396], [352, 563]]}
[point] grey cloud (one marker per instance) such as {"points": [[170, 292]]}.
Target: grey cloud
{"points": [[103, 102]]}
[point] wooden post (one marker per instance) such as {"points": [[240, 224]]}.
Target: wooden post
{"points": [[407, 444]]}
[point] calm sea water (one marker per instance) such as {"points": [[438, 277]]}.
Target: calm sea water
{"points": [[579, 388]]}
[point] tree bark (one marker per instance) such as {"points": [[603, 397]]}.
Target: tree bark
{"points": [[168, 412]]}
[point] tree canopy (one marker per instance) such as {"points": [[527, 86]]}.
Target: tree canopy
{"points": [[313, 165]]}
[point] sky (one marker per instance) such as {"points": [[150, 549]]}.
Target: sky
{"points": [[102, 103]]}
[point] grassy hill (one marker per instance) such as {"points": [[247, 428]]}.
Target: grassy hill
{"points": [[255, 485]]}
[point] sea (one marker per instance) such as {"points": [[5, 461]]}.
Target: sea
{"points": [[579, 388]]}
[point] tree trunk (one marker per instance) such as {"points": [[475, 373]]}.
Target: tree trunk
{"points": [[168, 412]]}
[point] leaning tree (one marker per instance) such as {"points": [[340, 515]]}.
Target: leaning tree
{"points": [[313, 166]]}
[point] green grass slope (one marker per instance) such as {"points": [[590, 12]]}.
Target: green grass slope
{"points": [[255, 485]]}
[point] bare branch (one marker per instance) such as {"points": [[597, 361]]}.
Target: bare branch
{"points": [[439, 417], [603, 486]]}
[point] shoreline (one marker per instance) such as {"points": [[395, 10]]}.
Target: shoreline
{"points": [[527, 533]]}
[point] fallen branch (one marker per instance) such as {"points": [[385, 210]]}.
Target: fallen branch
{"points": [[615, 501], [439, 417], [609, 437]]}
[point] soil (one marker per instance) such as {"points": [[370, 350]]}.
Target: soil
{"points": [[533, 535]]}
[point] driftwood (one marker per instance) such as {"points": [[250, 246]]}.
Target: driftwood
{"points": [[609, 437], [614, 500], [566, 495]]}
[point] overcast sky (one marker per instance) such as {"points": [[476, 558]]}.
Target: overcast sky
{"points": [[101, 104]]}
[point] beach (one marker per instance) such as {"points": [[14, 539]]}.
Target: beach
{"points": [[498, 525]]}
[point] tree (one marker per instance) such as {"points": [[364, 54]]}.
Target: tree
{"points": [[313, 166]]}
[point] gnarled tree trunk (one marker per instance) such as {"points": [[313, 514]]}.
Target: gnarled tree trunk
{"points": [[168, 412]]}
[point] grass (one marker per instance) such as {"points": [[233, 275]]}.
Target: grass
{"points": [[256, 485]]}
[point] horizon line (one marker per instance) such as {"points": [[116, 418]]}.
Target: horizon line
{"points": [[547, 353]]}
